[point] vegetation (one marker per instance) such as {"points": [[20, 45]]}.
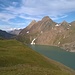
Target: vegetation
{"points": [[18, 59]]}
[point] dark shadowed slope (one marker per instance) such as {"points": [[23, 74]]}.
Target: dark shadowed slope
{"points": [[5, 35]]}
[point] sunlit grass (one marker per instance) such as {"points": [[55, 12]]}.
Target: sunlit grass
{"points": [[18, 59]]}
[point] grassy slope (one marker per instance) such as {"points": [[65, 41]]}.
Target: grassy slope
{"points": [[18, 59]]}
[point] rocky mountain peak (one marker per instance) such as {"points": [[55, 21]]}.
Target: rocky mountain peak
{"points": [[31, 24], [33, 21], [64, 23], [73, 22], [48, 32], [46, 18]]}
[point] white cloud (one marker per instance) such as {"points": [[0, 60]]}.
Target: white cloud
{"points": [[42, 8], [56, 17], [36, 9], [64, 16], [14, 3], [5, 27], [10, 27], [6, 17], [29, 17]]}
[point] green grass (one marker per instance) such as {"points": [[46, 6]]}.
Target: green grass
{"points": [[18, 59]]}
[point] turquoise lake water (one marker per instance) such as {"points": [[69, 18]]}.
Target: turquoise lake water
{"points": [[57, 54]]}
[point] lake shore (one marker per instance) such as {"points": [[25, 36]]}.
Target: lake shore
{"points": [[66, 57]]}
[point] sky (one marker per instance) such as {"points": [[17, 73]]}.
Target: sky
{"points": [[16, 14]]}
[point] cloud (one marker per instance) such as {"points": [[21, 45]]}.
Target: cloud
{"points": [[10, 26], [64, 16], [11, 29], [6, 16], [42, 8], [5, 27], [29, 17], [60, 17], [35, 9], [50, 7], [14, 3]]}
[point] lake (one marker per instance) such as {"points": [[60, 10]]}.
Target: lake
{"points": [[57, 54]]}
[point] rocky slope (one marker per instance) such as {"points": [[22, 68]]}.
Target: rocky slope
{"points": [[15, 32], [48, 32]]}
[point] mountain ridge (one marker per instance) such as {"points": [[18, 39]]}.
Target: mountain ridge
{"points": [[5, 35], [48, 32], [15, 32]]}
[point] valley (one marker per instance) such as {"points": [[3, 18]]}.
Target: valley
{"points": [[37, 37], [17, 57]]}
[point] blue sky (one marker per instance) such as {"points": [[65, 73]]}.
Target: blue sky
{"points": [[15, 14]]}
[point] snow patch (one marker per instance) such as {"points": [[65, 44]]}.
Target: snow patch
{"points": [[58, 43], [27, 31], [68, 28], [69, 25], [33, 43], [41, 32], [57, 25]]}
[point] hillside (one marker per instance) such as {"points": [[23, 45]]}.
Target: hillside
{"points": [[48, 32], [5, 35], [18, 59]]}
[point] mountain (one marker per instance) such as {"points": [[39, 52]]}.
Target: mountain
{"points": [[73, 23], [29, 33], [5, 35], [31, 24], [48, 32], [18, 59], [15, 32]]}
